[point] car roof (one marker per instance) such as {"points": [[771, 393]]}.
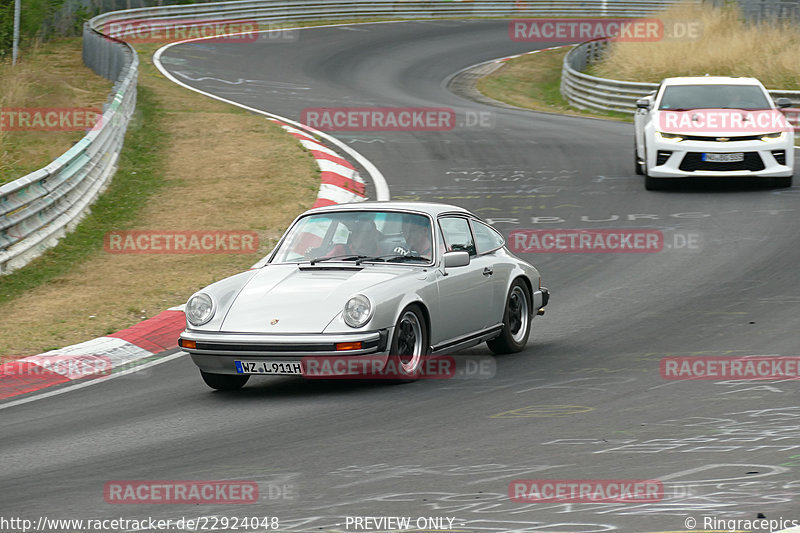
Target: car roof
{"points": [[431, 208], [710, 80]]}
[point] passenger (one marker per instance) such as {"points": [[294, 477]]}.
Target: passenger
{"points": [[364, 237]]}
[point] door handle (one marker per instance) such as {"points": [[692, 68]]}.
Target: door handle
{"points": [[488, 271]]}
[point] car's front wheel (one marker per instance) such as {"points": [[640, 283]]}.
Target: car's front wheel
{"points": [[637, 165], [409, 344], [517, 318], [224, 381]]}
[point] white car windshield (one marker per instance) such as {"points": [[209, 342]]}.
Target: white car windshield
{"points": [[685, 97], [358, 236]]}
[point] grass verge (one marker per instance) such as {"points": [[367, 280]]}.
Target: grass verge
{"points": [[189, 163], [726, 45], [534, 82], [47, 76]]}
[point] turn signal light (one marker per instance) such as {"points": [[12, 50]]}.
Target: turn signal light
{"points": [[342, 346], [187, 344]]}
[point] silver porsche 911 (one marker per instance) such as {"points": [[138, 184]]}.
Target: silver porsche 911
{"points": [[391, 283]]}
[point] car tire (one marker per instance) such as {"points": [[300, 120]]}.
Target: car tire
{"points": [[652, 184], [409, 345], [224, 381], [782, 183], [517, 317], [636, 164]]}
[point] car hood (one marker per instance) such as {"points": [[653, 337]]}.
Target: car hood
{"points": [[717, 122], [291, 299]]}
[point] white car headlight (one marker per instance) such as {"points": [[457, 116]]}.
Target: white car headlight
{"points": [[357, 311], [778, 136], [199, 309], [669, 136]]}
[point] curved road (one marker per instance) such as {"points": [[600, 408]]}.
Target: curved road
{"points": [[584, 401]]}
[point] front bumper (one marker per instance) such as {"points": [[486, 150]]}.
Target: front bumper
{"points": [[216, 353], [761, 159], [540, 299]]}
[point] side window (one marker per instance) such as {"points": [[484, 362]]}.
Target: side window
{"points": [[486, 238], [457, 235]]}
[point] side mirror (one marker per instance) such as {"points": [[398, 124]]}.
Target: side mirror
{"points": [[456, 259], [783, 102], [643, 103]]}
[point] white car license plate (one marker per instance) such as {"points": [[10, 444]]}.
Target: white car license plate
{"points": [[275, 368], [724, 158]]}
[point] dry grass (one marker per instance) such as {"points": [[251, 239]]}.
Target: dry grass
{"points": [[51, 75], [534, 82], [223, 169], [727, 46]]}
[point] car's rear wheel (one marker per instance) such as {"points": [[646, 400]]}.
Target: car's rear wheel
{"points": [[409, 344], [224, 381], [517, 318]]}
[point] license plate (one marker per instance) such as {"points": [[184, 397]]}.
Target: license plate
{"points": [[724, 158], [275, 368]]}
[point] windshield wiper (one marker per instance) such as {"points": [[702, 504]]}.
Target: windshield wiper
{"points": [[403, 258], [344, 257]]}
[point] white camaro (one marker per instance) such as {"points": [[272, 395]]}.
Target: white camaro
{"points": [[712, 126]]}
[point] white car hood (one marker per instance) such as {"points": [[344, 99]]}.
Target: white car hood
{"points": [[676, 123], [288, 299]]}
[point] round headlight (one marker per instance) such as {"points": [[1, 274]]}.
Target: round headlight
{"points": [[357, 311], [199, 309]]}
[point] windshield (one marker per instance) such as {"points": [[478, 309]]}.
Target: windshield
{"points": [[683, 97], [358, 236]]}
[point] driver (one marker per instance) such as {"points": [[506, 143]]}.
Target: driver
{"points": [[417, 232]]}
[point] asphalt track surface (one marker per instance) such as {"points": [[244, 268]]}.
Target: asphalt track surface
{"points": [[585, 400]]}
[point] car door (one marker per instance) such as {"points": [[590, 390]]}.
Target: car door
{"points": [[488, 243], [464, 291]]}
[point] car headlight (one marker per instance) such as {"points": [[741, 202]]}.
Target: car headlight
{"points": [[669, 136], [357, 311], [778, 136], [199, 309]]}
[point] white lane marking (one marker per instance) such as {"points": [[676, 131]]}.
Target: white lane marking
{"points": [[331, 166], [381, 187], [117, 351], [314, 145], [337, 194], [95, 381]]}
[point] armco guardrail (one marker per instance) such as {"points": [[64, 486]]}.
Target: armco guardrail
{"points": [[277, 11], [39, 208], [601, 94]]}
